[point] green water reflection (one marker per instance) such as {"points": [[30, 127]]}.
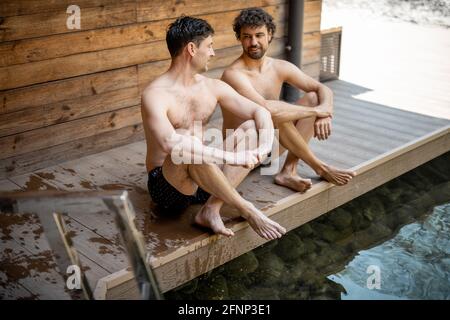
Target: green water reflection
{"points": [[401, 229]]}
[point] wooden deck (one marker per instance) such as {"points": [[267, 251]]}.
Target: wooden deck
{"points": [[379, 142]]}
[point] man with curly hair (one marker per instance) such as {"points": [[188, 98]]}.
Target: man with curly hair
{"points": [[260, 78]]}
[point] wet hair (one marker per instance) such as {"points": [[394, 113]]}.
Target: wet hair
{"points": [[255, 18], [184, 30]]}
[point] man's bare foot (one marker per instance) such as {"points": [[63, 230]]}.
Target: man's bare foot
{"points": [[263, 226], [211, 219], [293, 181], [336, 176]]}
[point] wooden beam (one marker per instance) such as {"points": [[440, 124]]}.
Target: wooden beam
{"points": [[24, 7], [50, 156], [61, 133], [54, 22], [48, 115], [161, 9], [66, 90]]}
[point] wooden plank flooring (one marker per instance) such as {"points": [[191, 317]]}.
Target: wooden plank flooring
{"points": [[362, 132]]}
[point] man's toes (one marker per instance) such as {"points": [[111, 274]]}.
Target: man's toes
{"points": [[265, 235], [278, 230], [224, 231], [277, 233], [269, 234], [281, 230], [347, 178], [273, 234], [229, 232]]}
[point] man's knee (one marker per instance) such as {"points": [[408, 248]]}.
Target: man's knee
{"points": [[248, 125], [177, 175], [198, 172], [310, 99]]}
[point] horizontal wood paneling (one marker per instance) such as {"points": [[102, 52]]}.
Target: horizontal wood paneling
{"points": [[62, 89], [311, 24], [47, 115], [95, 40], [92, 62], [121, 56], [65, 132], [161, 9], [25, 7], [311, 39], [76, 148], [313, 8], [67, 89], [54, 22], [310, 55]]}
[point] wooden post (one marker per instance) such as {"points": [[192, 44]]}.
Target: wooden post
{"points": [[295, 43]]}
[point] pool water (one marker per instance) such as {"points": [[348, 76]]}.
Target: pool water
{"points": [[414, 264], [390, 243]]}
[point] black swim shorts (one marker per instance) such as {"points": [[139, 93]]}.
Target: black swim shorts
{"points": [[170, 201]]}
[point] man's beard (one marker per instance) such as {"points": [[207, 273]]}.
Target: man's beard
{"points": [[256, 55]]}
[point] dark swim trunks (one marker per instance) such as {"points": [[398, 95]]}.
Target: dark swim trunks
{"points": [[169, 200]]}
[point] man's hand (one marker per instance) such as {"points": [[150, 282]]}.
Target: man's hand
{"points": [[248, 159], [322, 128], [324, 111]]}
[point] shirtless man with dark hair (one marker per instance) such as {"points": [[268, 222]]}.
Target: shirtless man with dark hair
{"points": [[260, 78], [171, 105]]}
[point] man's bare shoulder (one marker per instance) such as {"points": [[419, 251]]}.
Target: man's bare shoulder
{"points": [[284, 68], [156, 92], [281, 65], [210, 83], [235, 67], [234, 72]]}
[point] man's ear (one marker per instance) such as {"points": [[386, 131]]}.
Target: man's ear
{"points": [[191, 48], [270, 37]]}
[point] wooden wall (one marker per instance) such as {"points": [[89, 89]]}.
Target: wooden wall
{"points": [[68, 93], [311, 38]]}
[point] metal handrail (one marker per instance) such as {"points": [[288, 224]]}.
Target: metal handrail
{"points": [[49, 207]]}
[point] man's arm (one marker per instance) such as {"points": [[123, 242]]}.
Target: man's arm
{"points": [[246, 109], [295, 77], [281, 111], [154, 114]]}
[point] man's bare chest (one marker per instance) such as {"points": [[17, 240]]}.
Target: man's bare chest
{"points": [[266, 84], [186, 110]]}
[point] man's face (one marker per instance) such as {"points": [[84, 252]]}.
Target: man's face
{"points": [[203, 54], [255, 41]]}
